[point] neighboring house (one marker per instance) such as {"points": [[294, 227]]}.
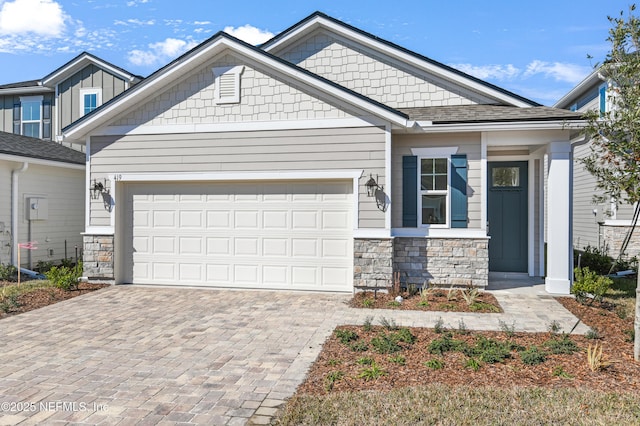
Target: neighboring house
{"points": [[42, 190], [598, 225], [41, 108], [238, 166]]}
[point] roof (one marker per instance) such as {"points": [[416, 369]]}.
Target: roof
{"points": [[29, 83], [24, 146], [580, 89], [445, 71], [487, 113], [81, 61]]}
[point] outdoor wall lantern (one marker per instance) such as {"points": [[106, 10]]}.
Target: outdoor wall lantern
{"points": [[97, 189], [372, 186]]}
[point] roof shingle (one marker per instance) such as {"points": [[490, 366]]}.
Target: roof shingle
{"points": [[487, 113], [25, 146]]}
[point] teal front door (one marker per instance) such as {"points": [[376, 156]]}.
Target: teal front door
{"points": [[507, 205]]}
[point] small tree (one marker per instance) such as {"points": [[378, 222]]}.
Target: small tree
{"points": [[615, 134]]}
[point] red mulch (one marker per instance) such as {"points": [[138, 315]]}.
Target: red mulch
{"points": [[437, 300], [621, 376], [39, 298]]}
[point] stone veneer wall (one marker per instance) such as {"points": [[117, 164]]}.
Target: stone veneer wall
{"points": [[442, 261], [372, 263], [98, 256], [613, 237]]}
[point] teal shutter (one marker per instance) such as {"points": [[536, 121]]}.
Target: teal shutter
{"points": [[46, 120], [459, 191], [603, 100], [16, 119], [410, 191]]}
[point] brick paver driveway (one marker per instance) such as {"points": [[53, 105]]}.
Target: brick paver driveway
{"points": [[160, 355]]}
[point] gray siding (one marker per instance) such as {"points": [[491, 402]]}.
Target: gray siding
{"points": [[468, 143], [6, 109], [359, 148], [90, 76], [5, 209], [585, 223]]}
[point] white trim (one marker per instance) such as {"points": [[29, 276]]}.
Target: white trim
{"points": [[433, 152], [25, 90], [372, 233], [541, 222], [387, 171], [446, 192], [239, 126], [82, 62], [87, 184], [617, 222], [39, 99], [218, 73], [483, 180], [356, 201], [89, 91], [40, 162], [397, 54], [531, 216], [236, 176], [99, 230], [439, 233]]}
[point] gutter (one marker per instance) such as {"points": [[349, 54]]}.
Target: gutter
{"points": [[14, 211]]}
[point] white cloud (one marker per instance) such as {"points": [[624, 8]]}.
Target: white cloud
{"points": [[492, 72], [201, 22], [134, 22], [250, 34], [136, 2], [559, 71], [160, 51], [41, 17]]}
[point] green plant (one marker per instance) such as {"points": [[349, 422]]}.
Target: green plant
{"points": [[367, 303], [446, 343], [388, 324], [564, 345], [435, 364], [346, 336], [8, 272], [470, 295], [554, 327], [365, 361], [483, 306], [66, 262], [447, 306], [472, 364], [385, 344], [621, 311], [366, 325], [439, 327], [9, 302], [412, 290], [333, 362], [593, 259], [64, 277], [404, 335], [596, 359], [462, 327], [488, 350], [631, 335], [394, 304], [398, 359], [359, 346], [533, 356], [509, 330], [589, 283], [373, 372], [451, 294], [593, 333], [424, 303], [558, 371], [331, 378], [43, 266]]}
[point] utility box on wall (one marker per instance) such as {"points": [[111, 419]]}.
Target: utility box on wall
{"points": [[37, 208]]}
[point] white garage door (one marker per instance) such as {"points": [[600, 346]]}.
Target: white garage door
{"points": [[292, 235]]}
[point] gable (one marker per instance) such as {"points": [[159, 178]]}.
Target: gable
{"points": [[263, 97]]}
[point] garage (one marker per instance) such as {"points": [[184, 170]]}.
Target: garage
{"points": [[294, 235]]}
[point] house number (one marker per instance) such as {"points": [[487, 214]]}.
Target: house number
{"points": [[117, 177]]}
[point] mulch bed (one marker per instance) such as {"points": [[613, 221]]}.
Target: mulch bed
{"points": [[41, 297], [561, 370], [437, 300]]}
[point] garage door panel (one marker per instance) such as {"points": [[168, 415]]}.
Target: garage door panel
{"points": [[272, 235]]}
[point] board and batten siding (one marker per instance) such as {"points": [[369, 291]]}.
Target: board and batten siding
{"points": [[375, 74], [89, 76], [358, 148], [467, 143]]}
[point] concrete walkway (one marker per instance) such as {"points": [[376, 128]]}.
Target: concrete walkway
{"points": [[136, 355]]}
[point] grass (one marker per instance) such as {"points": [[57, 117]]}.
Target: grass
{"points": [[623, 293], [447, 405], [10, 293]]}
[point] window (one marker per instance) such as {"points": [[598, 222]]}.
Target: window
{"points": [[31, 116], [434, 190], [90, 99], [227, 84]]}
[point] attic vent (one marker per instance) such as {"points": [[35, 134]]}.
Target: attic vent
{"points": [[227, 84]]}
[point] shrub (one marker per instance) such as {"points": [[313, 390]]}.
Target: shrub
{"points": [[331, 378], [44, 266], [445, 344], [346, 336], [593, 333], [64, 277], [472, 364], [533, 356], [372, 373], [8, 272], [385, 344], [594, 259], [483, 306], [435, 364], [588, 282], [366, 325], [404, 335], [563, 345], [359, 346], [398, 359], [508, 329], [439, 327]]}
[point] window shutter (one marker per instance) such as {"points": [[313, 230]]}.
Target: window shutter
{"points": [[459, 191], [16, 119], [410, 191], [46, 120], [603, 100]]}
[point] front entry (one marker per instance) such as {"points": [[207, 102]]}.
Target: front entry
{"points": [[507, 205]]}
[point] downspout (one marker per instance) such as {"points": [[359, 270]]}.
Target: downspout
{"points": [[14, 212]]}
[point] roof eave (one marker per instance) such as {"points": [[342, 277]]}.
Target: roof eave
{"points": [[430, 127], [81, 61], [573, 95], [28, 90]]}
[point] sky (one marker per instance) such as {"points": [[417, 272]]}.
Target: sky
{"points": [[537, 49]]}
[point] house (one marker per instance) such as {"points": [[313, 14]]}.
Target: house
{"points": [[41, 108], [42, 192], [325, 159], [601, 225]]}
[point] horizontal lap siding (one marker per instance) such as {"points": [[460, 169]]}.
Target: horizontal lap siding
{"points": [[359, 148], [585, 223], [468, 144]]}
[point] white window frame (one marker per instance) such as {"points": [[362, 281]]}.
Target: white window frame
{"points": [[446, 192], [90, 91], [23, 100], [218, 72]]}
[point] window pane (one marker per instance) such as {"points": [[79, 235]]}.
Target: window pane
{"points": [[441, 165], [427, 166], [90, 102], [505, 176], [434, 209], [427, 183], [30, 110], [31, 129], [441, 182]]}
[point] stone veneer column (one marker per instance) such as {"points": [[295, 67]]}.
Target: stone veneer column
{"points": [[97, 257], [372, 263]]}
